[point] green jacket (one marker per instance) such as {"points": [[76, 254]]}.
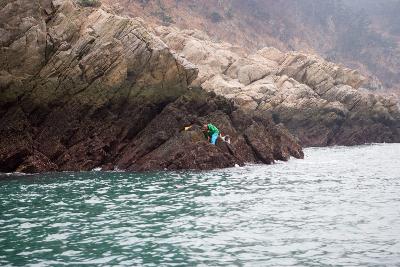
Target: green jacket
{"points": [[211, 130]]}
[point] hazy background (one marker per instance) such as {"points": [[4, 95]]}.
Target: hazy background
{"points": [[361, 34]]}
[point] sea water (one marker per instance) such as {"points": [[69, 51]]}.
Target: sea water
{"points": [[339, 206]]}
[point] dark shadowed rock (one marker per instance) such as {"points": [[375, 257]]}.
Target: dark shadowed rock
{"points": [[163, 144]]}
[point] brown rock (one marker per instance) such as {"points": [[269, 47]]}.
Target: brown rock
{"points": [[81, 88]]}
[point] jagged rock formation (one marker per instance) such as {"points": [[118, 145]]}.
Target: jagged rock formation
{"points": [[255, 137], [81, 88], [361, 34], [317, 100]]}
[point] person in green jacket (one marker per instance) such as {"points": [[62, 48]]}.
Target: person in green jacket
{"points": [[211, 133]]}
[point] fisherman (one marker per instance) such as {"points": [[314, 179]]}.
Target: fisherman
{"points": [[211, 133]]}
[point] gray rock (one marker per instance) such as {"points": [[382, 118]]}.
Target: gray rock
{"points": [[319, 101]]}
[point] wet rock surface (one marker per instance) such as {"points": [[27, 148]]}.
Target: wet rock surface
{"points": [[81, 88]]}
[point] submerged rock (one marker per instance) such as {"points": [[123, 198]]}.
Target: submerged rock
{"points": [[81, 88]]}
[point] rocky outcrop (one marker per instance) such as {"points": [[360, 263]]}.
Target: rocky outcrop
{"points": [[164, 144], [320, 102], [360, 34], [81, 88]]}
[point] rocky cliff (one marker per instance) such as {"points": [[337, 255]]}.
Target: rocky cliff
{"points": [[362, 34], [319, 101], [81, 88]]}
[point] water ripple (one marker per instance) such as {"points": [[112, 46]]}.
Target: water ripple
{"points": [[339, 206]]}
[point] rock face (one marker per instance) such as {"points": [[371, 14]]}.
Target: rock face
{"points": [[163, 144], [361, 34], [81, 88], [320, 102]]}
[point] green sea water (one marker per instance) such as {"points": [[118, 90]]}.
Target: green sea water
{"points": [[338, 207]]}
